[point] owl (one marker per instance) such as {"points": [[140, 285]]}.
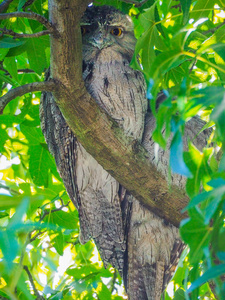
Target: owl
{"points": [[128, 236]]}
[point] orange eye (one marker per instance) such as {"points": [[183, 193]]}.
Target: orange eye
{"points": [[117, 31]]}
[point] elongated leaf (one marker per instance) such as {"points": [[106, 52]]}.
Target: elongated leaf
{"points": [[11, 67], [57, 243], [185, 5], [39, 164], [209, 274], [176, 156], [196, 234], [7, 42], [149, 40], [21, 4], [63, 219], [36, 55], [216, 39]]}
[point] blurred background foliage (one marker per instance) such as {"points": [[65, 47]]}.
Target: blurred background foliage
{"points": [[182, 52]]}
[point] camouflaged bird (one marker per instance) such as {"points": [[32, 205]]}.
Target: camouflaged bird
{"points": [[134, 240]]}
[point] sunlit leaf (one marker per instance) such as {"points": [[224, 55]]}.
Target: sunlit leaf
{"points": [[202, 9]]}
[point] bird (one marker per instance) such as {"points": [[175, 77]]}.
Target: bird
{"points": [[138, 243]]}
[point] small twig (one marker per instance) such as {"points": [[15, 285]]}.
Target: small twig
{"points": [[36, 235], [23, 35], [48, 86], [4, 5], [32, 284], [213, 29], [28, 3], [191, 68], [47, 212], [136, 3], [29, 15], [20, 71]]}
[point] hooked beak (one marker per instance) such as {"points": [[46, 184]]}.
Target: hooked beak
{"points": [[100, 42]]}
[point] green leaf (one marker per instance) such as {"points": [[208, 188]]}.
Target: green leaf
{"points": [[205, 97], [57, 242], [199, 167], [104, 293], [21, 4], [211, 273], [176, 156], [164, 62], [40, 161], [179, 294], [67, 220], [9, 247], [195, 233], [3, 214], [202, 9], [218, 116], [7, 79], [219, 49], [7, 42], [11, 66], [185, 5], [215, 41], [33, 134], [36, 55], [150, 39], [3, 53], [21, 210]]}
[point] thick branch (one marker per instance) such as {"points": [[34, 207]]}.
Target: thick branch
{"points": [[4, 5], [125, 160], [24, 89], [29, 15], [23, 35]]}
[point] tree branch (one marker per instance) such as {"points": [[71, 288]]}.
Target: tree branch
{"points": [[29, 15], [136, 3], [49, 86], [4, 5], [24, 35], [20, 71], [212, 30], [28, 3], [32, 284]]}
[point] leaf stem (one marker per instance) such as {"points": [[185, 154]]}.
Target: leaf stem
{"points": [[29, 15], [23, 35], [193, 55]]}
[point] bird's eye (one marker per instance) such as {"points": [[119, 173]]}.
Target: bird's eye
{"points": [[84, 30], [117, 31]]}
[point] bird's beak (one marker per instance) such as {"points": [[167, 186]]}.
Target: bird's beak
{"points": [[100, 41]]}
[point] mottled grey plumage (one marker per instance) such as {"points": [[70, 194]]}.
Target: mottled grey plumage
{"points": [[130, 237], [120, 91]]}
